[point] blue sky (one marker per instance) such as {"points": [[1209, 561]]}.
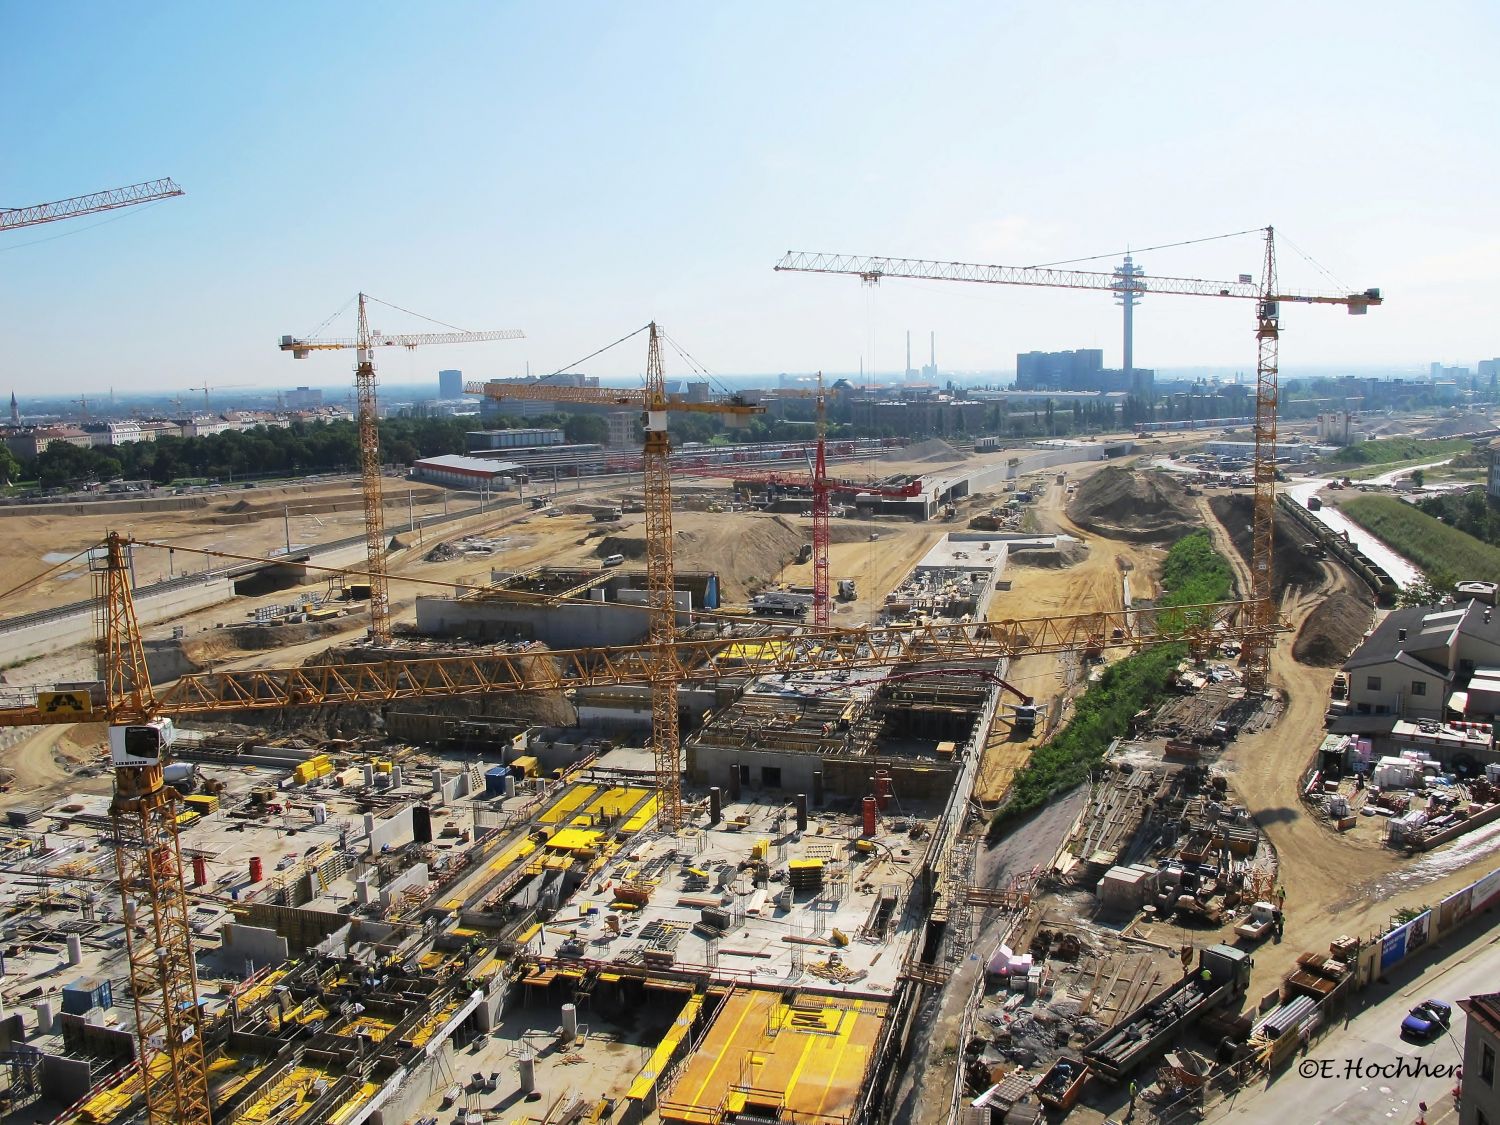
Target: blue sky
{"points": [[575, 170]]}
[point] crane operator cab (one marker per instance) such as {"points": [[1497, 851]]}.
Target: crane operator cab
{"points": [[141, 744]]}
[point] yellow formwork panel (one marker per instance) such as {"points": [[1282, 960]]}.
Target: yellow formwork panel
{"points": [[298, 1087], [811, 1054], [753, 652], [641, 818], [616, 801], [433, 1023], [563, 807], [509, 856], [354, 1104], [376, 1029], [574, 839], [651, 1073]]}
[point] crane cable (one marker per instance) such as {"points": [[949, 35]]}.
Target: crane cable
{"points": [[42, 576], [1148, 249]]}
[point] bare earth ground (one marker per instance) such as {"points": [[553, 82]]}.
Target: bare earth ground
{"points": [[1335, 884], [256, 528], [1095, 583]]}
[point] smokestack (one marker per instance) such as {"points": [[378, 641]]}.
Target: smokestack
{"points": [[932, 352], [908, 354]]}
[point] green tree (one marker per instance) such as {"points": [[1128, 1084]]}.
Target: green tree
{"points": [[10, 468], [586, 429]]}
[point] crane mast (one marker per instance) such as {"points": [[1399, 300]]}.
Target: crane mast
{"points": [[661, 591], [1257, 654], [148, 862], [368, 419], [148, 857], [370, 480], [821, 510]]}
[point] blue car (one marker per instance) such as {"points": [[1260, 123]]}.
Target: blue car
{"points": [[1427, 1019]]}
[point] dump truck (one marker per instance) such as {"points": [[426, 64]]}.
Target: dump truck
{"points": [[1259, 923], [1222, 976]]}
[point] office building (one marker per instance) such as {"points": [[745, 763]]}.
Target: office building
{"points": [[450, 384], [477, 440], [304, 398]]}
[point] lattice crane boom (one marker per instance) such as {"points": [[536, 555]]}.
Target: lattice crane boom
{"points": [[364, 343], [540, 670], [1268, 298], [14, 218], [661, 596]]}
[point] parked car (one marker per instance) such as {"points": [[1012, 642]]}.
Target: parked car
{"points": [[1428, 1019]]}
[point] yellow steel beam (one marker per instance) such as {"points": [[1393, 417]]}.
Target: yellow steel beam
{"points": [[534, 669]]}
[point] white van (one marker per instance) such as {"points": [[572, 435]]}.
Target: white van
{"points": [[613, 560]]}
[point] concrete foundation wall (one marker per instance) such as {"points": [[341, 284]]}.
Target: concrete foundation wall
{"points": [[842, 777], [247, 945], [394, 829], [564, 626], [416, 876], [59, 633], [65, 1080]]}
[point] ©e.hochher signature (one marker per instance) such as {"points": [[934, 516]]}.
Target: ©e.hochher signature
{"points": [[1402, 1066]]}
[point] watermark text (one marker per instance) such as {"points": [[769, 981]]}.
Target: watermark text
{"points": [[1403, 1066]]}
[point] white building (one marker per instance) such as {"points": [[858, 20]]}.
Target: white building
{"points": [[457, 471], [1417, 658]]}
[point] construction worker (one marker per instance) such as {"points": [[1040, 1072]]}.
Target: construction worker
{"points": [[1134, 1090], [1207, 977]]}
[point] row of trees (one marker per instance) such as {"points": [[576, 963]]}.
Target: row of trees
{"points": [[319, 447], [299, 449]]}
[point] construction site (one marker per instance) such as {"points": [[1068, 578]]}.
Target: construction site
{"points": [[665, 804]]}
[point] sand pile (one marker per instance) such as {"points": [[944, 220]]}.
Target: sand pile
{"points": [[1292, 566], [1139, 507], [934, 451], [1451, 427], [1332, 630], [747, 552]]}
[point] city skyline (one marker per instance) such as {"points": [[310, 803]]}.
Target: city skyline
{"points": [[520, 168]]}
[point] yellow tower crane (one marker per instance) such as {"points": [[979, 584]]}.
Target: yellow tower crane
{"points": [[661, 598], [1268, 298], [364, 344]]}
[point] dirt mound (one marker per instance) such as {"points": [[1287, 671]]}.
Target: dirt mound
{"points": [[747, 552], [1452, 427], [237, 506], [1332, 630], [1136, 506], [1292, 566], [934, 450], [1068, 552]]}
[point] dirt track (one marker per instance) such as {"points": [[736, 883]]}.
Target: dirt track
{"points": [[1095, 583], [1335, 885]]}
